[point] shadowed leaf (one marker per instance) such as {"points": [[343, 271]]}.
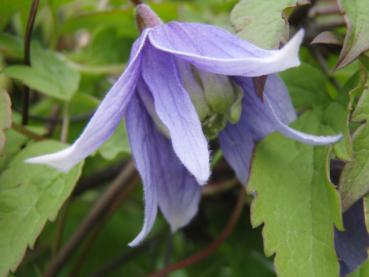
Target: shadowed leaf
{"points": [[357, 21], [263, 23], [5, 116]]}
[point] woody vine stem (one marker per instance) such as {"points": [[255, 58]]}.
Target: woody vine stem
{"points": [[27, 57]]}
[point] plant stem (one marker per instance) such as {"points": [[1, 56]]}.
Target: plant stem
{"points": [[202, 254], [99, 226], [136, 2], [26, 132], [65, 124], [101, 207], [27, 57], [60, 228]]}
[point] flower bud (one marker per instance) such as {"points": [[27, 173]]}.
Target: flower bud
{"points": [[216, 98], [146, 17]]}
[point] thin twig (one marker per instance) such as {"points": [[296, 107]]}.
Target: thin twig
{"points": [[27, 56], [99, 226], [100, 208], [136, 2], [127, 256], [60, 228], [65, 124], [52, 124], [97, 179], [202, 254], [323, 64], [26, 132]]}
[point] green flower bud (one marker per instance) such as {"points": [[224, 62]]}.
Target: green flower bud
{"points": [[216, 98]]}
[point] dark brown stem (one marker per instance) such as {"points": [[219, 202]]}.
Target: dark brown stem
{"points": [[202, 254], [97, 179], [60, 223], [136, 2], [99, 226], [27, 56], [127, 256], [101, 207], [26, 132], [323, 64]]}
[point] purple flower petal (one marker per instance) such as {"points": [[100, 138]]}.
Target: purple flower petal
{"points": [[274, 112], [139, 130], [104, 121], [218, 51], [352, 244], [175, 109], [237, 145], [166, 181]]}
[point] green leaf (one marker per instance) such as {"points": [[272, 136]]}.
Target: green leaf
{"points": [[264, 23], [296, 203], [121, 19], [14, 143], [307, 86], [313, 92], [11, 46], [355, 175], [29, 196], [5, 116], [12, 7], [357, 21], [49, 74], [116, 144]]}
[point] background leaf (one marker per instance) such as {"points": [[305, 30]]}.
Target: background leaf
{"points": [[355, 175], [28, 200], [49, 74], [264, 23], [5, 116], [116, 144], [297, 204], [357, 21]]}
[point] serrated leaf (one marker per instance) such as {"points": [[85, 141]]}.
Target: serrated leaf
{"points": [[355, 175], [5, 116], [264, 23], [357, 21], [29, 196], [116, 144], [49, 74], [296, 203]]}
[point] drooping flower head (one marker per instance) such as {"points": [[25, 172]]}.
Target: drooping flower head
{"points": [[186, 83]]}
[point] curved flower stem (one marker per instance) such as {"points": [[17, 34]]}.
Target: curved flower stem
{"points": [[202, 254], [27, 56]]}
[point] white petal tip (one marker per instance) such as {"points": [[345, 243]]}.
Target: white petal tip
{"points": [[318, 140], [290, 52], [43, 160], [333, 139], [137, 241], [133, 244], [62, 160], [203, 180]]}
